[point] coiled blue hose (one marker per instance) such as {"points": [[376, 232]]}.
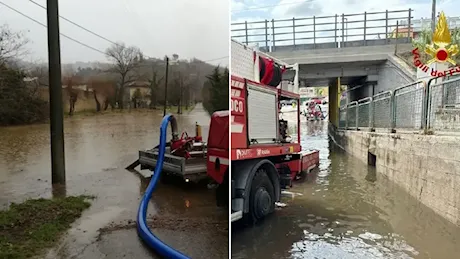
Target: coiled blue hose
{"points": [[142, 229]]}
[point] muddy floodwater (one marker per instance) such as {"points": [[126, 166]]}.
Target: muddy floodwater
{"points": [[97, 150], [345, 210]]}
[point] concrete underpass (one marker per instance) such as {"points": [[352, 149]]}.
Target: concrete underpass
{"points": [[387, 183], [380, 194], [365, 70]]}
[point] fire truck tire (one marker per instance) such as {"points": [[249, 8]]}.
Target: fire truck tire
{"points": [[262, 196], [222, 193]]}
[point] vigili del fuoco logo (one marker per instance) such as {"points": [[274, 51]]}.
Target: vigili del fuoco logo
{"points": [[440, 50]]}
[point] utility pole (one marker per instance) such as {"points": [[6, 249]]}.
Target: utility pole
{"points": [[55, 90], [179, 108], [153, 96], [433, 16], [166, 86], [187, 101]]}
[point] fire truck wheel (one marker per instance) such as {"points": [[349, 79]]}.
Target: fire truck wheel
{"points": [[222, 194], [262, 196]]}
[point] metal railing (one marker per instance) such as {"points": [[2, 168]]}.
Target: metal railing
{"points": [[443, 105], [416, 106], [420, 24], [337, 31]]}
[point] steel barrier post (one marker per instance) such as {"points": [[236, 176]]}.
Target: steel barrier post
{"points": [[365, 21], [409, 25], [273, 34], [346, 118], [343, 31], [371, 114], [335, 32], [357, 117], [246, 31], [266, 36], [293, 31], [393, 111]]}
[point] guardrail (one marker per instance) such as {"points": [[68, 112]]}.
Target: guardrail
{"points": [[337, 31], [443, 105], [423, 23], [418, 106]]}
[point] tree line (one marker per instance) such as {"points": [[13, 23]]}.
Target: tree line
{"points": [[117, 85], [215, 91]]}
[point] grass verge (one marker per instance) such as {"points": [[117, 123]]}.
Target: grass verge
{"points": [[29, 228]]}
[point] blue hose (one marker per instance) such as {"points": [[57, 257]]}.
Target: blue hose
{"points": [[143, 230]]}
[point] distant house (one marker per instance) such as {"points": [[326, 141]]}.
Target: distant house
{"points": [[138, 91], [82, 87], [418, 25], [29, 79], [402, 32]]}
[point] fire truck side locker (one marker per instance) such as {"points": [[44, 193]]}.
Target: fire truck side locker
{"points": [[262, 117], [263, 160]]}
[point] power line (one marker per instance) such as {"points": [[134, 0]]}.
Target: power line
{"points": [[136, 14], [221, 58], [44, 25], [270, 6], [79, 26], [141, 24], [100, 36]]}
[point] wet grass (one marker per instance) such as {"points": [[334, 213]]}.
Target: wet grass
{"points": [[29, 228]]}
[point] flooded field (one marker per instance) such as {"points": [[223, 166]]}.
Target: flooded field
{"points": [[345, 210], [97, 150]]}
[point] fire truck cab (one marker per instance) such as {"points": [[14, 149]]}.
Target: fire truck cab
{"points": [[266, 154]]}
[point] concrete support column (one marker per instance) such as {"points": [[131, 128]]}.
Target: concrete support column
{"points": [[334, 98]]}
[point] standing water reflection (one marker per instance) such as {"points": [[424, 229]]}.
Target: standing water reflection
{"points": [[97, 149], [343, 210]]}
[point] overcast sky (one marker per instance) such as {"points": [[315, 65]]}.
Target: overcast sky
{"points": [[253, 9], [260, 10], [198, 28]]}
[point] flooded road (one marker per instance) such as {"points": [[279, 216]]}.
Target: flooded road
{"points": [[97, 150], [345, 210]]}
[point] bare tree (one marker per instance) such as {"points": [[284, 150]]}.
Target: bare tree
{"points": [[11, 44], [40, 73], [126, 60], [104, 93], [37, 78], [70, 81], [154, 84]]}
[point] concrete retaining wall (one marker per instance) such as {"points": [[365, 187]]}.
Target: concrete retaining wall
{"points": [[426, 166], [394, 74], [334, 45]]}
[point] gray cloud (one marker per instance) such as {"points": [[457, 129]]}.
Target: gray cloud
{"points": [[197, 28], [351, 2], [304, 9]]}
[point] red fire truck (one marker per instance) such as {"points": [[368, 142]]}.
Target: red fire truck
{"points": [[266, 154]]}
